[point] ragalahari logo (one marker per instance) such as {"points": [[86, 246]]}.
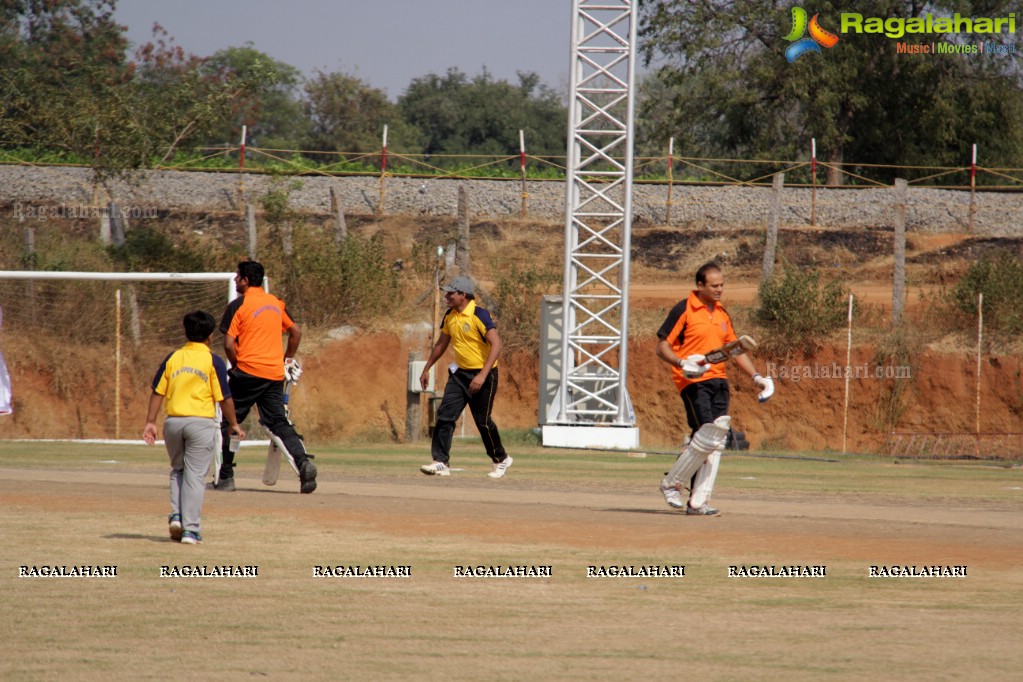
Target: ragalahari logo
{"points": [[819, 37]]}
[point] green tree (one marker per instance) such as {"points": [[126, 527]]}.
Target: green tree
{"points": [[64, 49], [272, 111], [732, 91], [67, 85], [480, 115], [177, 96], [346, 114]]}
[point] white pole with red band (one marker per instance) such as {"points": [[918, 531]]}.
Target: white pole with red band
{"points": [[973, 184], [383, 171], [813, 181], [522, 168], [241, 171], [671, 163]]}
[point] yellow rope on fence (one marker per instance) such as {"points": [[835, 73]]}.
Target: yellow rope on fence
{"points": [[1013, 177], [852, 175]]}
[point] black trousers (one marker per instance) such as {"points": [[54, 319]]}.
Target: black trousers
{"points": [[456, 396], [705, 401], [268, 396]]}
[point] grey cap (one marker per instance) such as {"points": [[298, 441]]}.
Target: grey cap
{"points": [[463, 284]]}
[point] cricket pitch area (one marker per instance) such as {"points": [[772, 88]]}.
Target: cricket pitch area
{"points": [[574, 513]]}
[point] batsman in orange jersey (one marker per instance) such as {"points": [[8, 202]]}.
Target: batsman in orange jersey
{"points": [[693, 329]]}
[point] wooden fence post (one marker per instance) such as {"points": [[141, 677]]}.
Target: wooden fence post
{"points": [[777, 184], [462, 259], [899, 276], [337, 208], [250, 221]]}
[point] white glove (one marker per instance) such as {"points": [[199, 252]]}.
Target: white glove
{"points": [[766, 386], [292, 370], [694, 366]]}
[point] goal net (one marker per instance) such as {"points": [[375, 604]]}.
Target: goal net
{"points": [[82, 347]]}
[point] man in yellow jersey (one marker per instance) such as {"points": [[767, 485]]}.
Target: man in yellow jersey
{"points": [[252, 326], [694, 327], [470, 331], [193, 380]]}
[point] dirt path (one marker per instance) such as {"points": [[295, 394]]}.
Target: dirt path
{"points": [[633, 521]]}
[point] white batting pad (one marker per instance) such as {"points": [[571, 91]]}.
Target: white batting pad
{"points": [[704, 483], [709, 438]]}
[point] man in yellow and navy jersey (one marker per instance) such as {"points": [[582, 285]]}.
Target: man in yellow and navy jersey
{"points": [[192, 380], [471, 333], [252, 326]]}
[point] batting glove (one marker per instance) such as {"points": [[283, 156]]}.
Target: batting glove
{"points": [[766, 386], [694, 366], [292, 370]]}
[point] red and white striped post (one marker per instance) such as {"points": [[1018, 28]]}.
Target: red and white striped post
{"points": [[383, 172], [671, 162], [241, 171], [973, 184], [522, 167], [813, 181]]}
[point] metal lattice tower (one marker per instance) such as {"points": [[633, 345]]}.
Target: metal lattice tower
{"points": [[594, 353]]}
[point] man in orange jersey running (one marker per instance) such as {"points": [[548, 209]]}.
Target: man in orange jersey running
{"points": [[252, 326]]}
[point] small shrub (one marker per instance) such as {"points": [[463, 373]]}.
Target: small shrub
{"points": [[1001, 281], [147, 249], [899, 349], [323, 282], [799, 310], [517, 304]]}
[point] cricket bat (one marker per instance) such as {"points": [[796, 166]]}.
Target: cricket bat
{"points": [[275, 451], [730, 350], [218, 455]]}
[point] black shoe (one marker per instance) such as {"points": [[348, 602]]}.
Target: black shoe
{"points": [[307, 475], [225, 484]]}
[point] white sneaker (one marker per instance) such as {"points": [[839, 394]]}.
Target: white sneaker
{"points": [[174, 527], [673, 497], [436, 469], [500, 467], [705, 510]]}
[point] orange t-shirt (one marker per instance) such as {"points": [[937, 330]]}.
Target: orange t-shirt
{"points": [[690, 328], [257, 320]]}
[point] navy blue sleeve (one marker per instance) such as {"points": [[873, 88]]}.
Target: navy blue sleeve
{"points": [[484, 316], [232, 308], [159, 371], [284, 307], [672, 319], [221, 367]]}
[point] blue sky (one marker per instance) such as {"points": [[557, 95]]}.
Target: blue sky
{"points": [[384, 42]]}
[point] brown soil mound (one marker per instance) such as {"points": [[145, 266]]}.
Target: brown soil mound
{"points": [[355, 388]]}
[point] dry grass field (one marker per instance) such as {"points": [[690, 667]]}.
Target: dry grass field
{"points": [[101, 505]]}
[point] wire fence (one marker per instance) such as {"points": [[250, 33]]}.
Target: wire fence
{"points": [[664, 168]]}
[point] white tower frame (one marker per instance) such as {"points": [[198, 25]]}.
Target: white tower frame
{"points": [[598, 226]]}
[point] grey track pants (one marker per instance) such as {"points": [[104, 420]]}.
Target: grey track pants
{"points": [[190, 443]]}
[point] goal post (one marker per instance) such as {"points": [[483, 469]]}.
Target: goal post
{"points": [[88, 336]]}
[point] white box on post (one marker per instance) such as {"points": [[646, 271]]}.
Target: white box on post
{"points": [[415, 369]]}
